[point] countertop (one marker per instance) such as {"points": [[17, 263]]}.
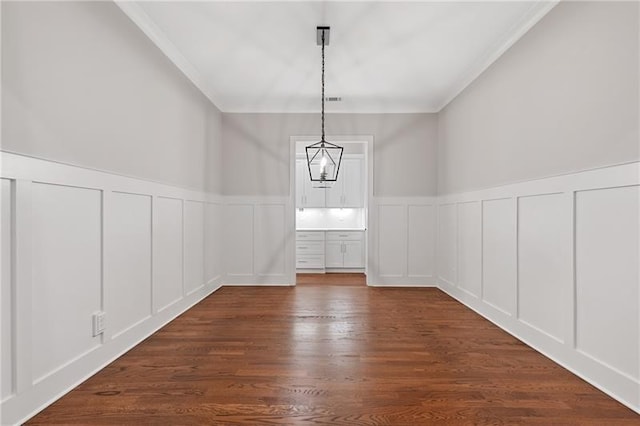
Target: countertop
{"points": [[331, 229]]}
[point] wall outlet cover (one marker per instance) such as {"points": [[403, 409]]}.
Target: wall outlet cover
{"points": [[99, 323]]}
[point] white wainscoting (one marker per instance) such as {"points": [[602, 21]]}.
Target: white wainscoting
{"points": [[77, 241], [6, 292], [402, 241], [554, 261], [259, 241]]}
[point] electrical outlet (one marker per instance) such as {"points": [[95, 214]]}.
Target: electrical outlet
{"points": [[98, 323]]}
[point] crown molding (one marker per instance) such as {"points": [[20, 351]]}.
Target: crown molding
{"points": [[520, 28], [139, 17]]}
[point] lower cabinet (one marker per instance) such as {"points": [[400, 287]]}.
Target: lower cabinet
{"points": [[344, 249], [310, 250], [353, 255], [333, 255], [319, 250]]}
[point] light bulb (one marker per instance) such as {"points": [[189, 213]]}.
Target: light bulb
{"points": [[323, 167]]}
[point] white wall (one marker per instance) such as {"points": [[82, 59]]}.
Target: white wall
{"points": [[564, 98], [84, 90], [553, 260], [257, 150], [258, 166], [83, 85]]}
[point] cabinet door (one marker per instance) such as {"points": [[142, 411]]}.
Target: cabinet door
{"points": [[300, 176], [336, 192], [353, 189], [353, 254], [314, 197], [333, 257]]}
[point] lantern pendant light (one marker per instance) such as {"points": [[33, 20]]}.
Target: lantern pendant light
{"points": [[323, 158]]}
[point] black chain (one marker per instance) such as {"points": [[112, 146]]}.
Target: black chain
{"points": [[322, 85]]}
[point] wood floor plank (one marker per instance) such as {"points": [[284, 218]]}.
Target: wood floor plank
{"points": [[335, 353]]}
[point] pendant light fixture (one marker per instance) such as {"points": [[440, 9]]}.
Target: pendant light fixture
{"points": [[323, 158]]}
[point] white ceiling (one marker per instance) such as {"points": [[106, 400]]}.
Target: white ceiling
{"points": [[261, 56]]}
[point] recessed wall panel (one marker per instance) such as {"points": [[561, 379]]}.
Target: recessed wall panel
{"points": [[239, 239], [607, 276], [392, 240], [447, 243], [544, 263], [470, 247], [167, 251], [194, 246], [6, 291], [66, 268], [213, 242], [128, 261], [421, 244], [499, 254], [270, 239]]}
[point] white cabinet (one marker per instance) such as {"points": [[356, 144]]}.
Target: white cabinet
{"points": [[306, 194], [344, 249], [348, 190], [330, 250], [333, 256], [310, 250], [353, 254]]}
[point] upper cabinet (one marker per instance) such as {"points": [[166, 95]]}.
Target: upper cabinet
{"points": [[306, 194], [348, 191]]}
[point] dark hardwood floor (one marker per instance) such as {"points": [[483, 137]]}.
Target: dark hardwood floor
{"points": [[334, 355]]}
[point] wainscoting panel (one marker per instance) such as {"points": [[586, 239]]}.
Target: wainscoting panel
{"points": [[447, 243], [392, 240], [167, 252], [401, 242], [259, 240], [67, 274], [607, 290], [127, 272], [270, 240], [75, 242], [421, 233], [499, 254], [470, 247], [544, 263], [193, 246], [214, 242], [6, 290], [239, 242], [560, 268]]}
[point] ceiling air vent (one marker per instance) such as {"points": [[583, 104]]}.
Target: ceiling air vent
{"points": [[333, 99]]}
